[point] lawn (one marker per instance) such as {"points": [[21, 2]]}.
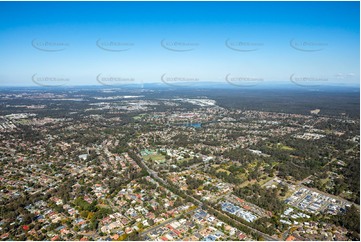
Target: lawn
{"points": [[139, 116], [280, 146], [284, 147], [154, 157], [223, 170]]}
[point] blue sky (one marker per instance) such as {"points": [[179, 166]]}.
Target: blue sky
{"points": [[276, 42]]}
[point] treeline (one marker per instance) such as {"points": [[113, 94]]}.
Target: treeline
{"points": [[138, 160], [190, 162], [291, 169], [349, 220], [332, 124], [351, 175], [262, 197], [182, 140], [193, 183], [239, 154], [330, 102], [227, 177]]}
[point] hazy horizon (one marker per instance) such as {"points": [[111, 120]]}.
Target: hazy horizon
{"points": [[237, 43]]}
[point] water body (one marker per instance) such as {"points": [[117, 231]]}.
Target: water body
{"points": [[194, 125]]}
